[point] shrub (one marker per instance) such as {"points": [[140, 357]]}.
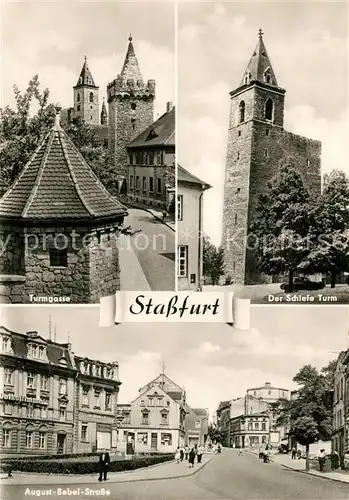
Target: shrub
{"points": [[52, 467], [54, 457]]}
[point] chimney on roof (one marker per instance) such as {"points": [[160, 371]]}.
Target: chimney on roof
{"points": [[169, 106], [32, 334]]}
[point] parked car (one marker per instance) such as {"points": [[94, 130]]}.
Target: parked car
{"points": [[303, 284], [283, 448]]}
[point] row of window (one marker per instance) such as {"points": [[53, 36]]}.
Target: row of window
{"points": [[145, 418], [30, 411], [137, 185], [91, 97], [154, 402], [32, 381], [268, 110], [146, 158], [29, 439], [97, 402]]}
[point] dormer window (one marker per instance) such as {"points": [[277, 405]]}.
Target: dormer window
{"points": [[133, 106], [62, 361], [242, 111], [267, 76], [152, 134], [6, 344]]}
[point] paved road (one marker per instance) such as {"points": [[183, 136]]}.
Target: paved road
{"points": [[154, 247], [227, 476]]}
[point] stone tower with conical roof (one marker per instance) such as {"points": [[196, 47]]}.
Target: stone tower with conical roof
{"points": [[61, 227], [257, 147], [86, 97], [131, 110]]}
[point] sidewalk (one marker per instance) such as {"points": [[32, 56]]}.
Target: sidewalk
{"points": [[168, 470], [155, 213], [132, 277], [299, 465]]}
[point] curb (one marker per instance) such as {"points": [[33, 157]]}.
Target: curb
{"points": [[111, 481], [308, 473], [155, 216], [305, 472]]}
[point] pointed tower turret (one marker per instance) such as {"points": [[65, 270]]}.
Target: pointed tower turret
{"points": [[259, 67], [130, 68], [104, 115], [131, 110], [86, 97]]}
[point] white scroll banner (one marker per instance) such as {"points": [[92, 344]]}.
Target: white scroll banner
{"points": [[188, 307]]}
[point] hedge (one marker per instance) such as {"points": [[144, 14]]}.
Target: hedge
{"points": [[53, 457], [52, 467]]}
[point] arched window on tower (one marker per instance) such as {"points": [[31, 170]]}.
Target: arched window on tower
{"points": [[91, 96], [242, 111], [78, 97], [269, 108]]}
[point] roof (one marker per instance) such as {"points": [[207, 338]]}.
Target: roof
{"points": [[185, 177], [55, 352], [86, 77], [201, 412], [130, 69], [259, 67], [223, 404], [57, 185], [160, 133], [267, 387]]}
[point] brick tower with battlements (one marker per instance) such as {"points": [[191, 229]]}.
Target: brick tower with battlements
{"points": [[131, 110], [257, 147]]}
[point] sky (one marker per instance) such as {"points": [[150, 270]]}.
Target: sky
{"points": [[213, 362], [307, 43], [52, 38]]}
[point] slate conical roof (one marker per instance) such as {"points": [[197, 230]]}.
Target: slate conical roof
{"points": [[130, 69], [86, 77], [57, 184], [259, 67]]}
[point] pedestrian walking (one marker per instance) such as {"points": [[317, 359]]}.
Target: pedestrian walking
{"points": [[240, 451], [299, 454], [322, 459], [293, 453], [266, 455], [200, 452], [182, 453], [191, 457], [104, 461], [260, 453], [186, 452], [178, 455]]}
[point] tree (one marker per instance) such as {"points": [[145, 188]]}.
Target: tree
{"points": [[309, 414], [213, 260], [21, 133], [305, 431], [281, 224], [215, 434], [330, 234]]}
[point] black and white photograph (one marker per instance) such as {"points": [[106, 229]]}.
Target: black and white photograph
{"points": [[197, 411], [263, 150], [88, 150]]}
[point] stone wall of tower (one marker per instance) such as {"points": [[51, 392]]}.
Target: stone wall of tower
{"points": [[247, 178], [125, 124], [257, 149], [89, 111], [236, 200]]}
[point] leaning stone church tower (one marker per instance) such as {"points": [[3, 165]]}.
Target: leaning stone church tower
{"points": [[131, 110], [257, 147]]}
